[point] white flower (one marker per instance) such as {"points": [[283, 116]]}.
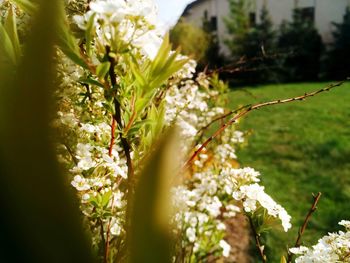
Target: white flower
{"points": [[345, 223], [195, 247], [255, 193], [221, 226], [226, 248], [86, 197], [149, 43], [80, 183], [88, 127], [214, 207], [116, 229], [110, 8], [335, 247], [191, 234], [298, 250]]}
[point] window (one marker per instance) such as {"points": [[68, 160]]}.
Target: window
{"points": [[213, 23], [206, 15], [252, 19]]}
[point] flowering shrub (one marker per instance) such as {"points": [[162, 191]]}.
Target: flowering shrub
{"points": [[335, 247], [121, 87]]}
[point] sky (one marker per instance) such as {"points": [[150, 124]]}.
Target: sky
{"points": [[170, 10]]}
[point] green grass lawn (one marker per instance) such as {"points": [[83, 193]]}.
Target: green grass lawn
{"points": [[300, 148]]}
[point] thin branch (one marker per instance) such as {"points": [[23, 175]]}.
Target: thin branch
{"points": [[112, 137], [258, 244], [306, 221], [69, 150], [133, 115], [221, 118], [243, 63], [252, 108], [103, 241], [108, 233], [118, 119]]}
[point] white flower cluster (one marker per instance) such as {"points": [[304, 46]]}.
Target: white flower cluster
{"points": [[215, 188], [253, 195], [214, 197], [186, 104], [333, 248], [201, 212], [133, 21]]}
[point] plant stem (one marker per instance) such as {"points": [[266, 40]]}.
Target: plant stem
{"points": [[306, 221], [117, 117], [259, 247], [105, 258], [112, 137]]}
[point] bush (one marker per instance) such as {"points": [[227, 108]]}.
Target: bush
{"points": [[192, 40]]}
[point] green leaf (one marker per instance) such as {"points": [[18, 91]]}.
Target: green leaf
{"points": [[149, 217], [66, 40], [161, 56], [105, 198], [37, 193], [139, 78], [140, 104], [91, 81], [7, 51], [11, 29], [102, 69], [89, 34]]}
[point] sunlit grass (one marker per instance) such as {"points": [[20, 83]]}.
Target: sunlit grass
{"points": [[300, 148]]}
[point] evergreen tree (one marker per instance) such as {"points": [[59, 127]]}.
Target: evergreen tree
{"points": [[255, 42], [339, 54], [213, 58], [238, 26], [260, 47], [261, 38], [300, 40]]}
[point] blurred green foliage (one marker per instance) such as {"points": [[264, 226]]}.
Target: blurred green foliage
{"points": [[192, 40], [40, 220]]}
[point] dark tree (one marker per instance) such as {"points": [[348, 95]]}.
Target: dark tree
{"points": [[251, 42], [238, 26], [303, 46], [213, 58], [338, 62]]}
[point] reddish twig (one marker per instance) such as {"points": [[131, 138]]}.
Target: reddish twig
{"points": [[124, 141], [250, 109], [133, 115], [306, 222], [112, 137], [221, 118]]}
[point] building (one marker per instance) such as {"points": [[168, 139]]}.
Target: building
{"points": [[322, 12]]}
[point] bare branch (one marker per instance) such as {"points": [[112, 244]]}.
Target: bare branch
{"points": [[258, 244], [250, 109], [303, 227]]}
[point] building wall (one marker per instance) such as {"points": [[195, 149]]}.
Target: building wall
{"points": [[326, 12]]}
